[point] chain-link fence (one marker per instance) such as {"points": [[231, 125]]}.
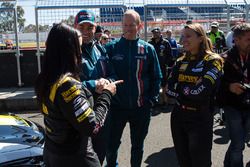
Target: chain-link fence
{"points": [[173, 14], [108, 14]]}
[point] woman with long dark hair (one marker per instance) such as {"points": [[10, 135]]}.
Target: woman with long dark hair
{"points": [[70, 115], [193, 83]]}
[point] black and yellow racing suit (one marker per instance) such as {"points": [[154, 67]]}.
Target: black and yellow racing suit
{"points": [[70, 117], [193, 82]]}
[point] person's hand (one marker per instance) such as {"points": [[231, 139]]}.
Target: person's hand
{"points": [[100, 84], [237, 88], [112, 86]]}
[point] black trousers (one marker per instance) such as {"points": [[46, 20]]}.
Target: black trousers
{"points": [[100, 144], [192, 133], [79, 159]]}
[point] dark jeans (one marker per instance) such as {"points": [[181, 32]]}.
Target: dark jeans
{"points": [[238, 123], [139, 122], [192, 133]]}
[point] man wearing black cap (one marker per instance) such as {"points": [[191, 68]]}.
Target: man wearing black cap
{"points": [[164, 53], [96, 69], [98, 34], [217, 37]]}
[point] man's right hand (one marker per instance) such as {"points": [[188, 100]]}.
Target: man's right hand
{"points": [[100, 84], [112, 86], [237, 88]]}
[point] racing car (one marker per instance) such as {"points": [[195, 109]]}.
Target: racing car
{"points": [[21, 142]]}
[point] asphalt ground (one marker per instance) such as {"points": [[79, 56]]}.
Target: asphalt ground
{"points": [[159, 149]]}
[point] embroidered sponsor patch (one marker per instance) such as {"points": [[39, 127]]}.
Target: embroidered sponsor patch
{"points": [[69, 91], [197, 91], [171, 93], [71, 96], [197, 69], [82, 109], [211, 74], [84, 115], [187, 78]]}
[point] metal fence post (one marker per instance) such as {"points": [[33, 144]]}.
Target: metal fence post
{"points": [[37, 42], [17, 49]]}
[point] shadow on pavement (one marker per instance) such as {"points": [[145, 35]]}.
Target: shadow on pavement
{"points": [[223, 136], [165, 158]]}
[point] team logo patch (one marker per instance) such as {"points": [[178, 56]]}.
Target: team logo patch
{"points": [[186, 91]]}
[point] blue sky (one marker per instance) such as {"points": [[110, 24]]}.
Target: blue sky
{"points": [[29, 9]]}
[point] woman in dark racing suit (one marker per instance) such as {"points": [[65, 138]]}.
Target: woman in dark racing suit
{"points": [[70, 115], [193, 83]]}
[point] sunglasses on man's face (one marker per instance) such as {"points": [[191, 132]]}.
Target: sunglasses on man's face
{"points": [[105, 38]]}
